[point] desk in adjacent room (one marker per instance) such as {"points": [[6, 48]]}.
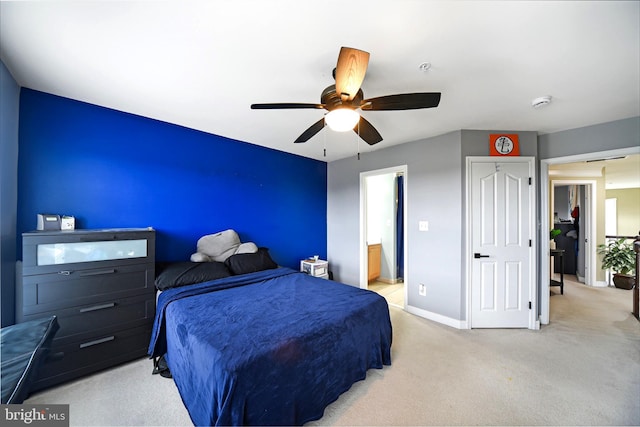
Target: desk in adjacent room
{"points": [[558, 253]]}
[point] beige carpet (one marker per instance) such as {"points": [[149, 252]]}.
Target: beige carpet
{"points": [[582, 369]]}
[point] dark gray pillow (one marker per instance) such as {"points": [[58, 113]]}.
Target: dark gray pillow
{"points": [[251, 262], [181, 273]]}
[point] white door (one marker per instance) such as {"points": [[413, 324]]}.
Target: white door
{"points": [[501, 244]]}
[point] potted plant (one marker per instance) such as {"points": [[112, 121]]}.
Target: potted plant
{"points": [[619, 257]]}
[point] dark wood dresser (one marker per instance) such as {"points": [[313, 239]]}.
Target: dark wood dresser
{"points": [[100, 285]]}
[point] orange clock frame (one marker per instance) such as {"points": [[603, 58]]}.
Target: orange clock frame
{"points": [[504, 144]]}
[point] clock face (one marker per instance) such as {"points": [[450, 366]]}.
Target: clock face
{"points": [[504, 145]]}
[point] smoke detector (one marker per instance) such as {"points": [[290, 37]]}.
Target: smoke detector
{"points": [[424, 67], [541, 102]]}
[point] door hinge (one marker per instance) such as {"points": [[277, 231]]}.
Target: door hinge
{"points": [[530, 244], [529, 180], [529, 305]]}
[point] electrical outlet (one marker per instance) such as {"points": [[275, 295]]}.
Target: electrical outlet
{"points": [[422, 290]]}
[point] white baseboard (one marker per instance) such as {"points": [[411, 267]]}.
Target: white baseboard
{"points": [[600, 284], [439, 318]]}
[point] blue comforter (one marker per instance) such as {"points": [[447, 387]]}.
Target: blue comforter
{"points": [[273, 347]]}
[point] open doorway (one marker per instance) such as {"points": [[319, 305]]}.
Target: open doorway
{"points": [[382, 219], [577, 166], [572, 213]]}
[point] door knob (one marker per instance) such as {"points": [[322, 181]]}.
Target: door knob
{"points": [[477, 255]]}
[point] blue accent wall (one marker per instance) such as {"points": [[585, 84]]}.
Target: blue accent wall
{"points": [[113, 169]]}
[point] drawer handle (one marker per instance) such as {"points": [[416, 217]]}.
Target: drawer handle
{"points": [[97, 307], [96, 342], [97, 273], [65, 272]]}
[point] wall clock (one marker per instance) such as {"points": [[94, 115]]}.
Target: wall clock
{"points": [[504, 145]]}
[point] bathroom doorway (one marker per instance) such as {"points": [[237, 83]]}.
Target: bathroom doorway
{"points": [[383, 242]]}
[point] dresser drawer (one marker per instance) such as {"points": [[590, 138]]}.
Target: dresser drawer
{"points": [[50, 252], [79, 358], [84, 322], [72, 288]]}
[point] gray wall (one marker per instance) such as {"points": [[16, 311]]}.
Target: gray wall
{"points": [[9, 106], [435, 186], [434, 190], [476, 142], [561, 202], [591, 139]]}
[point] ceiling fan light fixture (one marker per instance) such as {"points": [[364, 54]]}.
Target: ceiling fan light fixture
{"points": [[342, 119], [344, 100]]}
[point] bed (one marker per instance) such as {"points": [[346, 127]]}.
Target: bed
{"points": [[268, 347], [24, 347]]}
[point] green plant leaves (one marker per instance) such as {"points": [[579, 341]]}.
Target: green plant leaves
{"points": [[619, 256]]}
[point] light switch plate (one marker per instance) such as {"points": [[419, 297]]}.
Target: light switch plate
{"points": [[423, 225]]}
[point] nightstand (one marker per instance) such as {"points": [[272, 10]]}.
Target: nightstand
{"points": [[319, 268]]}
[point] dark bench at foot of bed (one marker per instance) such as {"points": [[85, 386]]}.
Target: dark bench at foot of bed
{"points": [[24, 347]]}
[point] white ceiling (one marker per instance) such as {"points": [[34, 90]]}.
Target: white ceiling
{"points": [[200, 64]]}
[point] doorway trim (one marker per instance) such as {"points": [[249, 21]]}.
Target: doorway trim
{"points": [[364, 262], [545, 267], [589, 261]]}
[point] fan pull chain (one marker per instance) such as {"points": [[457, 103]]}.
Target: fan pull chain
{"points": [[358, 138]]}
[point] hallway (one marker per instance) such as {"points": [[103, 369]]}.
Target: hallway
{"points": [[588, 306]]}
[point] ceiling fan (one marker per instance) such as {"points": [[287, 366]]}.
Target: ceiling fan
{"points": [[342, 99]]}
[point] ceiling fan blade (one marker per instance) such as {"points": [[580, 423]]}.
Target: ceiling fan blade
{"points": [[350, 71], [404, 101], [284, 105], [367, 132], [313, 129]]}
